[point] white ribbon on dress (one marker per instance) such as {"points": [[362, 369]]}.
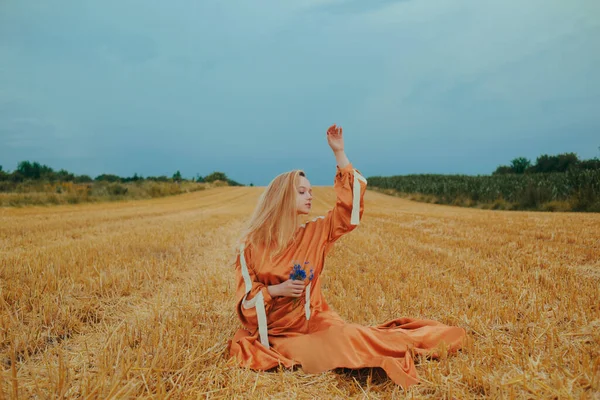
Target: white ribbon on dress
{"points": [[257, 301], [355, 216], [307, 303]]}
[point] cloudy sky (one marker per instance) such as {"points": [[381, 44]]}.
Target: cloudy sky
{"points": [[250, 87]]}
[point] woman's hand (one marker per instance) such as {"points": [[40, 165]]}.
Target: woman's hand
{"points": [[289, 288], [335, 138]]}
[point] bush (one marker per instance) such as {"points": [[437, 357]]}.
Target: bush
{"points": [[216, 176], [557, 206], [83, 179], [6, 186], [117, 190], [44, 192]]}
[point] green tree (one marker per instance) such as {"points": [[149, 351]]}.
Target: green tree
{"points": [[108, 178], [592, 163], [520, 164], [216, 176], [177, 176], [35, 170], [64, 176], [25, 168], [83, 179], [16, 176], [231, 182], [545, 163], [45, 172], [503, 169], [557, 163]]}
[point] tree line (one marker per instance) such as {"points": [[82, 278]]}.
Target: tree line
{"points": [[548, 163], [35, 171], [560, 182]]}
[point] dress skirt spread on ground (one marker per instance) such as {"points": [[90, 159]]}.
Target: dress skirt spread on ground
{"points": [[305, 331]]}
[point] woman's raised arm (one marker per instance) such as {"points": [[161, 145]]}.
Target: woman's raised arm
{"points": [[349, 186], [335, 139]]}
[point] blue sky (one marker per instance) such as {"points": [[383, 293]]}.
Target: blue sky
{"points": [[250, 87]]}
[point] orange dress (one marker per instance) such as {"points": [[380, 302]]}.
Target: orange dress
{"points": [[305, 331]]}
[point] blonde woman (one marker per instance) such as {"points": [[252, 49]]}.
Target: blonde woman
{"points": [[279, 299]]}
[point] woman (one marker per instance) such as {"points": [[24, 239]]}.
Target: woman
{"points": [[287, 321]]}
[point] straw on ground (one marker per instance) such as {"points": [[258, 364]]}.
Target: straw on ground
{"points": [[135, 299]]}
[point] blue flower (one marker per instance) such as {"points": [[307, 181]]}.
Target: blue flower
{"points": [[298, 273]]}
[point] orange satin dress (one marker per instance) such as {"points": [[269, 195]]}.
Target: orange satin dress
{"points": [[305, 331]]}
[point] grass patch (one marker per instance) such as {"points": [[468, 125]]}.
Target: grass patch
{"points": [[43, 193]]}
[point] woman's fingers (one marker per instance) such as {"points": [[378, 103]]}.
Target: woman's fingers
{"points": [[294, 288], [334, 130], [297, 288]]}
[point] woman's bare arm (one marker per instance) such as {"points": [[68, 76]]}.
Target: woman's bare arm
{"points": [[335, 139]]}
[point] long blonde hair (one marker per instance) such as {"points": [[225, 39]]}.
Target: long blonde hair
{"points": [[273, 223]]}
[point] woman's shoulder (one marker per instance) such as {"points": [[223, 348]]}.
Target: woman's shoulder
{"points": [[313, 222]]}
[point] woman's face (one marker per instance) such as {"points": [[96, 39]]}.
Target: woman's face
{"points": [[304, 196]]}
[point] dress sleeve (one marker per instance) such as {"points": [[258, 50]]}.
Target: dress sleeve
{"points": [[253, 298], [350, 187]]}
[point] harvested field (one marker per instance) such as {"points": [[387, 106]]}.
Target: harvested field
{"points": [[135, 300]]}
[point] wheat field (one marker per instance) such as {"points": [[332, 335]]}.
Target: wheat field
{"points": [[135, 299]]}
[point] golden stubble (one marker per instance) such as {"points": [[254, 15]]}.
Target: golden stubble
{"points": [[135, 299]]}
